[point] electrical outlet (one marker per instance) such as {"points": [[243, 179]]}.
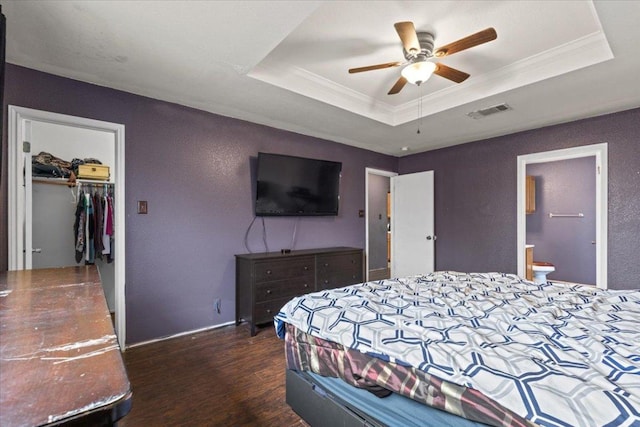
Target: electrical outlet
{"points": [[217, 305]]}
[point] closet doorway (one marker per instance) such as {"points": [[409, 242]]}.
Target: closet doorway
{"points": [[41, 215]]}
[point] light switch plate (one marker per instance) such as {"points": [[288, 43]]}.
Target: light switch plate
{"points": [[142, 206]]}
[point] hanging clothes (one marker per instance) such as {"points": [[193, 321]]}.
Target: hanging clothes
{"points": [[78, 229], [109, 228], [89, 252], [97, 225], [93, 226], [107, 225]]}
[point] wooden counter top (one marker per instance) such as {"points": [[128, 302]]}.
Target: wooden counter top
{"points": [[59, 355]]}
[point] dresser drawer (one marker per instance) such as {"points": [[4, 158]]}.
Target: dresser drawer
{"points": [[279, 289], [338, 280], [350, 261], [265, 311], [339, 270], [283, 269]]}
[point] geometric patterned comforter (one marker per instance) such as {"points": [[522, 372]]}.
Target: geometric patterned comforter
{"points": [[557, 355]]}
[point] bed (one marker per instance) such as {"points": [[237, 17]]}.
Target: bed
{"points": [[491, 348]]}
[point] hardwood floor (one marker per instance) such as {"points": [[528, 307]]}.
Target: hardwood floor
{"points": [[379, 274], [221, 377]]}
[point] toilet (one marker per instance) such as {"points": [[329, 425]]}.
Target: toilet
{"points": [[540, 271]]}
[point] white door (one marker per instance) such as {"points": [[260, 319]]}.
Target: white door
{"points": [[412, 225]]}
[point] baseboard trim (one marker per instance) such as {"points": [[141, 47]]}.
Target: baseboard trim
{"points": [[181, 334]]}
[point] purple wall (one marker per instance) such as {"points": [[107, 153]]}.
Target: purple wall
{"points": [[196, 171], [475, 194], [565, 187]]}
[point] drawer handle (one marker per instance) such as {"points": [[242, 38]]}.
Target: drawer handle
{"points": [[353, 261], [268, 271], [93, 169], [268, 311], [326, 264], [326, 281], [306, 268], [269, 290], [306, 285], [354, 276]]}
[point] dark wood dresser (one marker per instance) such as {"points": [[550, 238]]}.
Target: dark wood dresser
{"points": [[266, 281]]}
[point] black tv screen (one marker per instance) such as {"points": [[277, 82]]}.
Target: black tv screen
{"points": [[296, 186]]}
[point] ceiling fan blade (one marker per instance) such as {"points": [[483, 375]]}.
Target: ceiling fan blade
{"points": [[407, 32], [398, 86], [450, 73], [476, 39], [374, 67]]}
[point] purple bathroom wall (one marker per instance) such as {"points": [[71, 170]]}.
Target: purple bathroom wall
{"points": [[196, 171], [566, 187], [475, 194]]}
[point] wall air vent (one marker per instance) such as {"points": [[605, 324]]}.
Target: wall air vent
{"points": [[479, 114]]}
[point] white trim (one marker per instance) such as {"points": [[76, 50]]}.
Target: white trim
{"points": [[15, 195], [18, 116], [599, 151], [181, 334], [371, 171]]}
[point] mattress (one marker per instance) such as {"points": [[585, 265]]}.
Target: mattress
{"points": [[553, 354]]}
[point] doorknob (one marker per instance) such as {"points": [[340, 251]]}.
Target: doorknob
{"points": [[36, 250], [434, 237]]}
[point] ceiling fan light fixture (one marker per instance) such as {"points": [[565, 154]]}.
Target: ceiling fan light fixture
{"points": [[418, 72]]}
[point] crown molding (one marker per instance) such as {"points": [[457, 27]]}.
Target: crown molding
{"points": [[583, 52]]}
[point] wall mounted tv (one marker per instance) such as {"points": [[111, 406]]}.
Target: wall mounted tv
{"points": [[296, 186]]}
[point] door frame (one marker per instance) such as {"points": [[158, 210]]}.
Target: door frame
{"points": [[18, 117], [367, 172], [599, 151]]}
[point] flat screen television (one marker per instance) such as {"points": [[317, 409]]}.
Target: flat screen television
{"points": [[296, 186]]}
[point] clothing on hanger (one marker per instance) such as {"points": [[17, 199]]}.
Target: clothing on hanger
{"points": [[93, 226]]}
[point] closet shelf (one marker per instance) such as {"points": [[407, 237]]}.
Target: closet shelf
{"points": [[63, 181]]}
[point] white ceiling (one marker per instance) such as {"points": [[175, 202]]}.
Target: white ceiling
{"points": [[284, 63]]}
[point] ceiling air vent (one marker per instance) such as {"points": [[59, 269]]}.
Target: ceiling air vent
{"points": [[479, 114]]}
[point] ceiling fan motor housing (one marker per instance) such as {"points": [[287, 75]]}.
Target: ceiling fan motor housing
{"points": [[426, 48], [417, 47]]}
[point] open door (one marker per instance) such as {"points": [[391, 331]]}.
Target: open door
{"points": [[412, 224], [39, 212]]}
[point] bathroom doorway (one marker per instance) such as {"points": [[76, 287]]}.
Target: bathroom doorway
{"points": [[576, 218], [561, 230]]}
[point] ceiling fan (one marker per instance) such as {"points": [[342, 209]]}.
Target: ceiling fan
{"points": [[418, 49]]}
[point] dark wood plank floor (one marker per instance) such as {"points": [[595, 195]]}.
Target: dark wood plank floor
{"points": [[221, 377]]}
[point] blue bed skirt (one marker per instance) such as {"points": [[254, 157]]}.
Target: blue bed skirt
{"points": [[392, 411]]}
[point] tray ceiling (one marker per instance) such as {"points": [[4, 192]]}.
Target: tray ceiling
{"points": [[284, 64]]}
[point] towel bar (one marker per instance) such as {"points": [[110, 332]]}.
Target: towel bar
{"points": [[578, 215]]}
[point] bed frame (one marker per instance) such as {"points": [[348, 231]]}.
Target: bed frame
{"points": [[329, 402], [319, 407]]}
